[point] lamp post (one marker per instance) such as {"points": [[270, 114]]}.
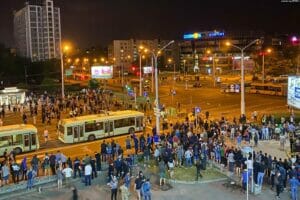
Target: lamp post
{"points": [[213, 66], [157, 113], [140, 56], [242, 49], [62, 49], [263, 64], [140, 85]]}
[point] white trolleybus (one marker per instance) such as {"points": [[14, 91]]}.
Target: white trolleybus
{"points": [[91, 127], [20, 137]]}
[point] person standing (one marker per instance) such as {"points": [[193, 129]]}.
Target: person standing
{"points": [[76, 168], [146, 190], [68, 174], [282, 141], [279, 184], [294, 183], [87, 174], [162, 172], [198, 170], [138, 184], [24, 168], [124, 191], [46, 165], [46, 133], [30, 178], [114, 187], [15, 172], [98, 161], [60, 176]]}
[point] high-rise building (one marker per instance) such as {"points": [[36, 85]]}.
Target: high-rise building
{"points": [[37, 30]]}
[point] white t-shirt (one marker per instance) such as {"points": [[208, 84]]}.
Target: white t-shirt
{"points": [[68, 172], [249, 164], [87, 170]]}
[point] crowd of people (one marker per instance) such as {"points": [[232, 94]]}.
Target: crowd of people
{"points": [[193, 142]]}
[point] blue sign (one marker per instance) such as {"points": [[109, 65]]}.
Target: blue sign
{"points": [[131, 93], [297, 92], [203, 35], [145, 94]]}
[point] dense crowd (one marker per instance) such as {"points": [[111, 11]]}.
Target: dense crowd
{"points": [[193, 142]]}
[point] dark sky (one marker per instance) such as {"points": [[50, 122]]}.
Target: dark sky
{"points": [[97, 22]]}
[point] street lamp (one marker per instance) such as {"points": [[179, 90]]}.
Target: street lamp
{"points": [[142, 49], [263, 63], [242, 49], [157, 113], [62, 50], [214, 60]]}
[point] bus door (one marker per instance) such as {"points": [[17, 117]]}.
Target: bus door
{"points": [[78, 133], [108, 128], [30, 142], [139, 123]]}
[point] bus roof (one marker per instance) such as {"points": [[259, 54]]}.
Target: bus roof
{"points": [[109, 115], [269, 84], [17, 127]]}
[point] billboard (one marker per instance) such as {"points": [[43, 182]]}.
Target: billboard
{"points": [[147, 70], [293, 96], [102, 72], [248, 64]]}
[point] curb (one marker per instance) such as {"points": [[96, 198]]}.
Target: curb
{"points": [[196, 182]]}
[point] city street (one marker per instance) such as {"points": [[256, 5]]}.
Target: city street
{"points": [[209, 99]]}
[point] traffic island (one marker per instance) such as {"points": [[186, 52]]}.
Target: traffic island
{"points": [[184, 175]]}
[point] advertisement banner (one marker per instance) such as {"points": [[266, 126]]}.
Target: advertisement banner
{"points": [[102, 72], [248, 64], [293, 97], [147, 69]]}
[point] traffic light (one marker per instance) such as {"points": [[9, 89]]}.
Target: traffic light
{"points": [[133, 68]]}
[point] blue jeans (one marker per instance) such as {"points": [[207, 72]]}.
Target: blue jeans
{"points": [[294, 191], [87, 179], [29, 183], [147, 197], [260, 178], [188, 161]]}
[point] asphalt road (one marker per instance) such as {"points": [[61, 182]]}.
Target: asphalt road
{"points": [[208, 98]]}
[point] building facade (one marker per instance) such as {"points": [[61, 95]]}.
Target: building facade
{"points": [[37, 30], [200, 51], [127, 53]]}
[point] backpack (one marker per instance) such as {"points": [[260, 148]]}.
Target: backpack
{"points": [[46, 161]]}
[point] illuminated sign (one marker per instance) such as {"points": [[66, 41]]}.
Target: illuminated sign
{"points": [[203, 35], [147, 70], [102, 72]]}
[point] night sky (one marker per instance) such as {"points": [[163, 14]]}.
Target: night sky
{"points": [[97, 22]]}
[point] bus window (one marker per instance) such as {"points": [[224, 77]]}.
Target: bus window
{"points": [[69, 131], [93, 126], [18, 139], [5, 141], [131, 121], [33, 139]]}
